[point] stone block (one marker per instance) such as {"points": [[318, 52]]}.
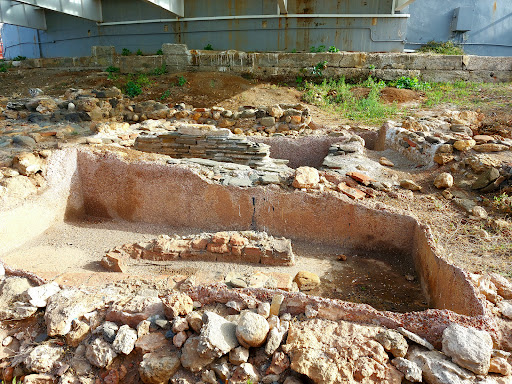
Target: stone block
{"points": [[103, 55], [134, 64], [435, 62], [487, 63], [176, 56], [490, 76], [440, 76]]}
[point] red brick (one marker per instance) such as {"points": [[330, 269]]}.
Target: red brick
{"points": [[351, 192], [221, 238], [217, 248], [252, 255], [361, 177]]}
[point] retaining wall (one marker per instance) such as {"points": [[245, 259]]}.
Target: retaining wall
{"points": [[287, 66]]}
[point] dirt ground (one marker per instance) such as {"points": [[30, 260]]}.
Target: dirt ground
{"points": [[468, 243]]}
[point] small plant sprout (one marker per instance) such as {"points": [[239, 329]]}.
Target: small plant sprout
{"points": [[126, 52], [181, 81], [208, 47]]}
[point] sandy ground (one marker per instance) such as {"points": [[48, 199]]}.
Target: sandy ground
{"points": [[77, 247]]}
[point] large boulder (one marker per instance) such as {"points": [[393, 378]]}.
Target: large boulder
{"points": [[331, 352], [190, 357], [43, 358], [438, 369], [159, 367], [13, 305], [306, 177], [252, 329], [468, 347], [65, 306]]}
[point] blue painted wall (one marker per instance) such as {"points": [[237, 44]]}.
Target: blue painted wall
{"points": [[491, 34], [430, 20]]}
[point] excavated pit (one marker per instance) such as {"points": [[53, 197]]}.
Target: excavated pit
{"points": [[97, 200]]}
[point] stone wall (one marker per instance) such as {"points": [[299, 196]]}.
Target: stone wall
{"points": [[287, 66], [233, 247], [207, 142]]}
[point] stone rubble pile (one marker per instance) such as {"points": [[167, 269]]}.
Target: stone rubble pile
{"points": [[440, 137], [234, 247], [108, 104], [133, 334]]}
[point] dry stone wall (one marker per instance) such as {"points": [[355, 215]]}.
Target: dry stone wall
{"points": [[283, 65], [207, 142]]}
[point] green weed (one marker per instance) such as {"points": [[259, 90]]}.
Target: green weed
{"points": [[126, 52], [159, 70], [208, 47], [333, 49], [320, 48], [159, 52], [410, 83], [3, 67], [166, 94], [318, 68], [440, 48], [336, 96], [139, 52], [112, 69], [181, 81], [132, 89], [19, 58]]}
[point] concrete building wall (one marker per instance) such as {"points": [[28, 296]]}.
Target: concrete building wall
{"points": [[491, 32], [68, 36]]}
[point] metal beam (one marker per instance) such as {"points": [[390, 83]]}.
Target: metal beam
{"points": [[401, 4], [283, 6], [86, 9], [174, 6], [15, 13]]}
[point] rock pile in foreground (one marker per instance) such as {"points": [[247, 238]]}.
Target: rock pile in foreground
{"points": [[120, 334]]}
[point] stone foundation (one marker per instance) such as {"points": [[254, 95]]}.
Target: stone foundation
{"points": [[232, 247]]}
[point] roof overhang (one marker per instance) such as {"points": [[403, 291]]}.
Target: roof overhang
{"points": [[85, 9], [23, 15], [176, 7]]}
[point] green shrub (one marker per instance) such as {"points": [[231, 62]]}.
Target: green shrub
{"points": [[410, 83], [132, 89], [208, 47], [126, 52], [139, 52], [333, 49], [446, 48], [159, 52], [112, 69]]}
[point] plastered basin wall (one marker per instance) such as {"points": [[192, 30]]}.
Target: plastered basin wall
{"points": [[23, 222], [158, 193], [98, 183]]}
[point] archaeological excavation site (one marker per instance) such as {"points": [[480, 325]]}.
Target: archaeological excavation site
{"points": [[229, 226]]}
